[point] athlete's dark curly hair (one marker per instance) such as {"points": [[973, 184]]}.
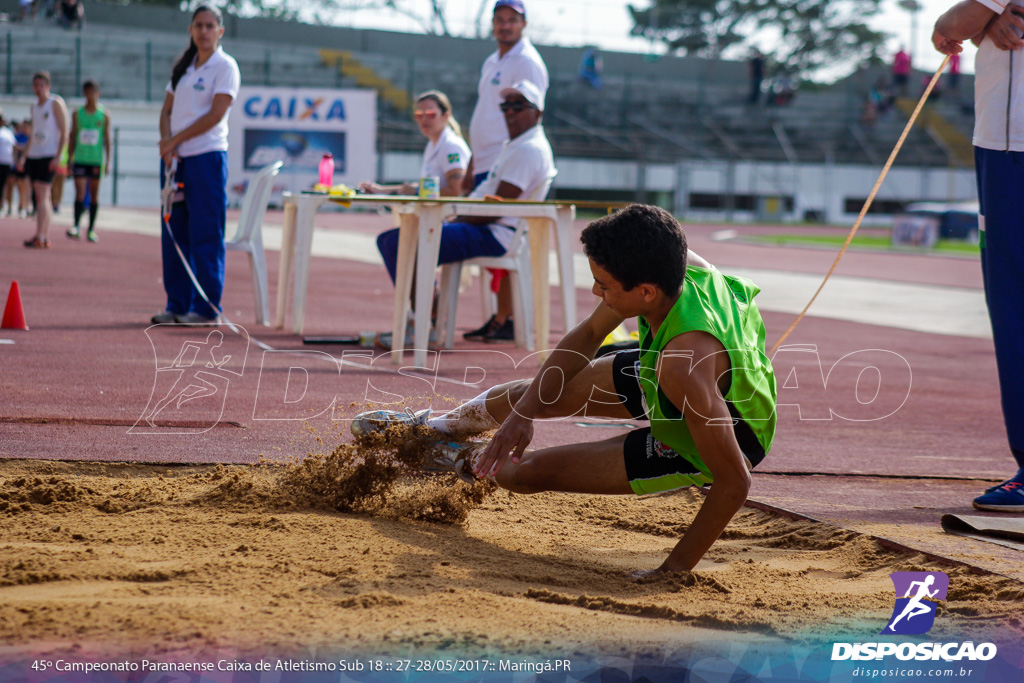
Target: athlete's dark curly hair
{"points": [[639, 244]]}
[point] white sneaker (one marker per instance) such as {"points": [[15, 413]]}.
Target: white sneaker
{"points": [[379, 420], [451, 456]]}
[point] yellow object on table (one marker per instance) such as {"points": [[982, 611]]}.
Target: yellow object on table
{"points": [[620, 334]]}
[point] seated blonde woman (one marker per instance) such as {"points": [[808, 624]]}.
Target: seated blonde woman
{"points": [[447, 154]]}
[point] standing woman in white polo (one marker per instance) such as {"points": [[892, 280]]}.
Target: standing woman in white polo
{"points": [[194, 129]]}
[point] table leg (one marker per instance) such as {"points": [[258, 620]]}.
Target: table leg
{"points": [[563, 245], [284, 271], [408, 228], [428, 248], [539, 241], [304, 220]]}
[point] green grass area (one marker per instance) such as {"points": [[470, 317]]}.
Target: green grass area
{"points": [[875, 242]]}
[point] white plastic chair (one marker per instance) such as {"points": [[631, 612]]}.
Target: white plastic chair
{"points": [[249, 236], [516, 261]]}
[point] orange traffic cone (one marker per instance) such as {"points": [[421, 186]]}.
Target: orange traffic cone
{"points": [[14, 314]]}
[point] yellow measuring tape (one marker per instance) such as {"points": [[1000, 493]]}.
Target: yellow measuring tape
{"points": [[867, 202]]}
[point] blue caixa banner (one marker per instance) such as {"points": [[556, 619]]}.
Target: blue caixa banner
{"points": [[297, 126]]}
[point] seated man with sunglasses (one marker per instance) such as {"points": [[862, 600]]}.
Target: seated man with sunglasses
{"points": [[522, 168]]}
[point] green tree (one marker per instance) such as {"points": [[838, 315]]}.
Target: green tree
{"points": [[808, 35]]}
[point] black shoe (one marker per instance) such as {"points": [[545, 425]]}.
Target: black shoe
{"points": [[504, 332], [482, 331]]}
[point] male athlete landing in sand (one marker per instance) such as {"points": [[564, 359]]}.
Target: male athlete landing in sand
{"points": [[701, 377]]}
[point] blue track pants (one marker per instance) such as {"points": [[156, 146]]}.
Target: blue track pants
{"points": [[1001, 195], [198, 226]]}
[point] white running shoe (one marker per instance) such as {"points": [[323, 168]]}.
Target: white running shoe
{"points": [[379, 420], [451, 456]]}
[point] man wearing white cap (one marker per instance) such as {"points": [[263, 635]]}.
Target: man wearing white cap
{"points": [[523, 166], [515, 60]]}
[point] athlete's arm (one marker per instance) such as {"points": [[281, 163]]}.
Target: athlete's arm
{"points": [[453, 179], [470, 175], [963, 21], [571, 356], [505, 190], [72, 137], [106, 142], [692, 384], [221, 103], [1004, 30], [165, 127], [60, 116]]}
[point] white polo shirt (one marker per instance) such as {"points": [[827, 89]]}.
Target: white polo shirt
{"points": [[526, 162], [7, 143], [194, 97], [450, 153], [487, 129], [999, 92]]}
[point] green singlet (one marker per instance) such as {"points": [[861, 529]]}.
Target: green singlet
{"points": [[89, 145], [722, 306]]}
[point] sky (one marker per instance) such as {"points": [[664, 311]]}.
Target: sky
{"points": [[606, 24]]}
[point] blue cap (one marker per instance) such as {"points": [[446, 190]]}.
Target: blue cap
{"points": [[516, 5]]}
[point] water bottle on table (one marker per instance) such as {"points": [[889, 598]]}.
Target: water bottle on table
{"points": [[326, 172]]}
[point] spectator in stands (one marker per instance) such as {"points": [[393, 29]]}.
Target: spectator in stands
{"points": [[447, 154], [70, 13], [783, 90], [936, 91], [999, 167], [194, 132], [7, 143], [882, 95], [901, 71], [89, 151], [25, 6], [524, 165], [590, 69], [755, 68], [42, 158], [869, 113], [515, 60]]}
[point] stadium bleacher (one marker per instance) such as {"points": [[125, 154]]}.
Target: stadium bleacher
{"points": [[658, 111]]}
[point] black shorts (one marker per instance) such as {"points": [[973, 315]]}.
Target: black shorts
{"points": [[5, 169], [38, 170], [652, 466], [86, 171]]}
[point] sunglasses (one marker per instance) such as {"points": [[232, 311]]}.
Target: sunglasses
{"points": [[424, 114], [518, 105]]}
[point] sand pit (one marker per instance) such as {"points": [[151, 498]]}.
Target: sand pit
{"points": [[118, 558]]}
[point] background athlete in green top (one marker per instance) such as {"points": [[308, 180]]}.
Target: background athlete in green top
{"points": [[89, 152], [639, 261]]}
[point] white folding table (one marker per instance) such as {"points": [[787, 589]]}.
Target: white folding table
{"points": [[420, 223]]}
